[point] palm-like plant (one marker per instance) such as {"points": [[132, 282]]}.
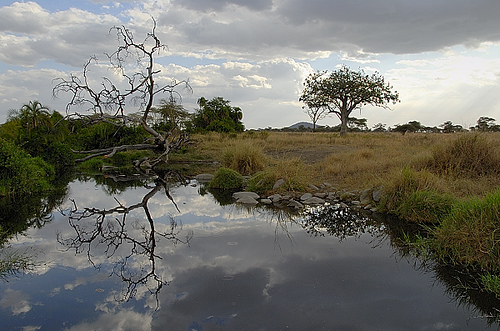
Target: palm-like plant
{"points": [[33, 115]]}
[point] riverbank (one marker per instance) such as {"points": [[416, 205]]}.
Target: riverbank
{"points": [[356, 162], [448, 181]]}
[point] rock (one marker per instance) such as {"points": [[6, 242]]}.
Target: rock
{"points": [[276, 197], [365, 198], [244, 195], [266, 201], [321, 195], [306, 196], [313, 187], [377, 194], [204, 178], [314, 201], [295, 204], [332, 196], [247, 200], [278, 184], [343, 205]]}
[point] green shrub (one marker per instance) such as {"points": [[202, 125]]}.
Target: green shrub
{"points": [[244, 157], [226, 179], [471, 155], [470, 234], [20, 173]]}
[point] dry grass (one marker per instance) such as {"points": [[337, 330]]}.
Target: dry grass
{"points": [[358, 161]]}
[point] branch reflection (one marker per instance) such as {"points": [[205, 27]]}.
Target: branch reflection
{"points": [[131, 244]]}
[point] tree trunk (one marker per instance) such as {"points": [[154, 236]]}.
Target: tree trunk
{"points": [[343, 122]]}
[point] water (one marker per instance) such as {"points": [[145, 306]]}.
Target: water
{"points": [[134, 260]]}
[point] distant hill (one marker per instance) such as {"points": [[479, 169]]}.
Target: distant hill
{"points": [[304, 124]]}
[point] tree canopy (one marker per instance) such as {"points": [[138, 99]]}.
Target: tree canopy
{"points": [[345, 90], [217, 115]]}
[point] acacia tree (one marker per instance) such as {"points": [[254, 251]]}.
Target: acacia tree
{"points": [[315, 113], [168, 115], [109, 101], [344, 90]]}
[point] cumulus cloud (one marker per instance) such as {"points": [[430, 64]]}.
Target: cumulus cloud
{"points": [[257, 53]]}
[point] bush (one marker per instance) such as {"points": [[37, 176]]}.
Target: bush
{"points": [[471, 155], [244, 157], [226, 179], [20, 173]]}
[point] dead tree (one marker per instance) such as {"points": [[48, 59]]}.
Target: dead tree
{"points": [[108, 101]]}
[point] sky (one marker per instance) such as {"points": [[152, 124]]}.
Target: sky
{"points": [[442, 56]]}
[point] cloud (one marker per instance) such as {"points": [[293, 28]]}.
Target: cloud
{"points": [[16, 301], [257, 53], [30, 34], [24, 17], [401, 27], [122, 320], [218, 5]]}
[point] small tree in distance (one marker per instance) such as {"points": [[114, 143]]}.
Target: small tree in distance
{"points": [[344, 90], [315, 113]]}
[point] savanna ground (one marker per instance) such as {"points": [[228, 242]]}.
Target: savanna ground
{"points": [[355, 162]]}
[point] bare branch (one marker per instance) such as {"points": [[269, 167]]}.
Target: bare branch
{"points": [[109, 100]]}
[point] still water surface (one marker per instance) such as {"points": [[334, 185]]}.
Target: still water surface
{"points": [[200, 265]]}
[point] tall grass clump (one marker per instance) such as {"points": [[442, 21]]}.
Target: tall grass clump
{"points": [[471, 232], [244, 157], [470, 155], [424, 206], [291, 169], [416, 196]]}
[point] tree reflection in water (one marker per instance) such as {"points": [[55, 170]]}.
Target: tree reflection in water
{"points": [[462, 284], [339, 221], [17, 215], [111, 231]]}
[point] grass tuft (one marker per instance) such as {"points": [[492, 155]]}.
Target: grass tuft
{"points": [[471, 232], [291, 169], [470, 155], [245, 157]]}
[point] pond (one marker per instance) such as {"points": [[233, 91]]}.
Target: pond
{"points": [[135, 256]]}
